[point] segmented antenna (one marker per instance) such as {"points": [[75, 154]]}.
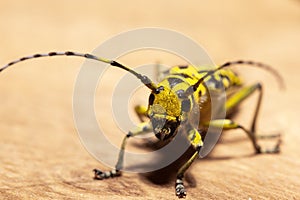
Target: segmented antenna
{"points": [[144, 79], [239, 62]]}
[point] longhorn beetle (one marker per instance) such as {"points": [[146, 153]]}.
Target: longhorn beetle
{"points": [[171, 102]]}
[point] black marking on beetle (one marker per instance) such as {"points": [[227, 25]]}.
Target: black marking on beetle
{"points": [[143, 78], [24, 58], [193, 136], [160, 88], [70, 53], [203, 71], [181, 93], [227, 78], [90, 56], [145, 128], [37, 55], [54, 53], [183, 66], [199, 94], [226, 64], [129, 134], [183, 75], [174, 81], [11, 63], [186, 105], [151, 99], [213, 80], [104, 175]]}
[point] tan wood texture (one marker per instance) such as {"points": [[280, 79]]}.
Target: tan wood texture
{"points": [[41, 156]]}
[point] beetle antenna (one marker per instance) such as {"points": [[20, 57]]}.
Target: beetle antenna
{"points": [[144, 79], [268, 68]]}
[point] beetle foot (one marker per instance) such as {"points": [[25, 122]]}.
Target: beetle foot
{"points": [[100, 175], [179, 189]]}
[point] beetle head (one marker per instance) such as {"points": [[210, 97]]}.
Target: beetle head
{"points": [[164, 111]]}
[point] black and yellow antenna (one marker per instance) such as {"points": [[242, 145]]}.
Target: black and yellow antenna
{"points": [[279, 78], [144, 79]]}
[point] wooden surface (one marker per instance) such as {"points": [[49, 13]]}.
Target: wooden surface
{"points": [[41, 156]]}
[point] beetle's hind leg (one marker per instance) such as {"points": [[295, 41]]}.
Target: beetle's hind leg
{"points": [[228, 124], [142, 128], [236, 99]]}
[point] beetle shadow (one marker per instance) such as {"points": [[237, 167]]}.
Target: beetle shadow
{"points": [[162, 168], [167, 174]]}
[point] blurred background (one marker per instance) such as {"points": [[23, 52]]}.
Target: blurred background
{"points": [[41, 155]]}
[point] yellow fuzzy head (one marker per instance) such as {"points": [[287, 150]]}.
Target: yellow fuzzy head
{"points": [[164, 112]]}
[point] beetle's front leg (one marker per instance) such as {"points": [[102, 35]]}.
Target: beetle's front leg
{"points": [[196, 141], [142, 128]]}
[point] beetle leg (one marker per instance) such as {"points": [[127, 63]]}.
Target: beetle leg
{"points": [[228, 124], [196, 141], [241, 95], [142, 128], [237, 98], [141, 111]]}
